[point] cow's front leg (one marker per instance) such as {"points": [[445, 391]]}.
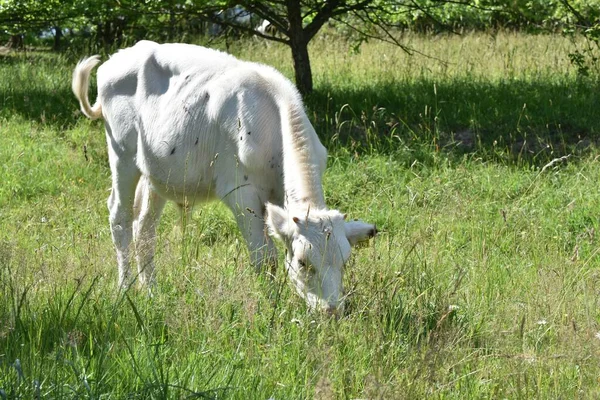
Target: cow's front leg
{"points": [[248, 209]]}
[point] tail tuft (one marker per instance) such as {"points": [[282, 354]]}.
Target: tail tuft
{"points": [[80, 86]]}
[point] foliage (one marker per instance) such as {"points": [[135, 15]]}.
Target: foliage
{"points": [[102, 26], [527, 15], [586, 57], [174, 17], [30, 15]]}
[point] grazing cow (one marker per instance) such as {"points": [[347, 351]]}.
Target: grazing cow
{"points": [[190, 124]]}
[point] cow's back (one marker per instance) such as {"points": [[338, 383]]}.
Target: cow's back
{"points": [[195, 119]]}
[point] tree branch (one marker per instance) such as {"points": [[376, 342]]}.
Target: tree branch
{"points": [[210, 15], [580, 18], [330, 10], [269, 14], [388, 38]]}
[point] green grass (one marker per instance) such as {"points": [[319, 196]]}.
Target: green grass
{"points": [[483, 282]]}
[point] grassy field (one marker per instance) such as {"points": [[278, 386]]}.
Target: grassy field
{"points": [[479, 168]]}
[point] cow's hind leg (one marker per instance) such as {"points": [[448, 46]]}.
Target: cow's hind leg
{"points": [[125, 176], [248, 209], [148, 209]]}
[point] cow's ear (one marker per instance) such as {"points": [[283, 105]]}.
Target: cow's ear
{"points": [[278, 222], [358, 231]]}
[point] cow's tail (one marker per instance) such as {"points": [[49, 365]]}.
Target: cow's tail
{"points": [[81, 83]]}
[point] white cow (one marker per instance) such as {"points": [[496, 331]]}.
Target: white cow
{"points": [[190, 124]]}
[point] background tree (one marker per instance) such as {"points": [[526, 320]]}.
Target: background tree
{"points": [[23, 17], [585, 20], [296, 21], [114, 23]]}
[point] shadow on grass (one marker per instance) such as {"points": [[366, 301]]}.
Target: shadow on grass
{"points": [[529, 120], [37, 87], [57, 108]]}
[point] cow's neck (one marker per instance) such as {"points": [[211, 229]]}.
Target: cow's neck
{"points": [[301, 171]]}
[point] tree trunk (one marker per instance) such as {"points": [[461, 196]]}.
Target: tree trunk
{"points": [[171, 24], [302, 70], [15, 42], [299, 45], [57, 36], [104, 34]]}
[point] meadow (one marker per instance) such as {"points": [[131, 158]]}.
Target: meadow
{"points": [[478, 164]]}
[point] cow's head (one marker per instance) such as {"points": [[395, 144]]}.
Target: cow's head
{"points": [[318, 246]]}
